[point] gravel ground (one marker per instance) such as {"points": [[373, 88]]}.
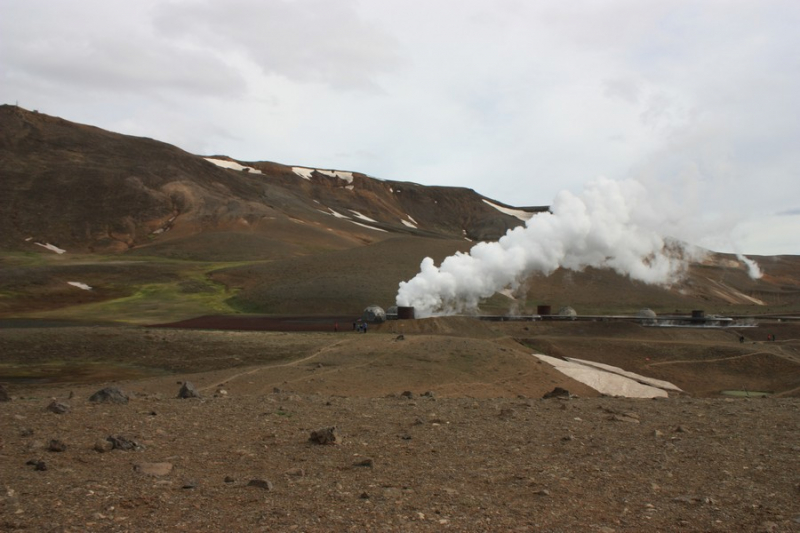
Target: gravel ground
{"points": [[228, 462]]}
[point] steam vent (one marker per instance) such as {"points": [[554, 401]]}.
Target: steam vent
{"points": [[405, 313]]}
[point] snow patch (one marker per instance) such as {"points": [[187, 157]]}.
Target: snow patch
{"points": [[79, 285], [303, 172], [224, 163], [605, 382], [51, 247], [362, 217], [518, 213], [409, 224], [346, 176], [368, 227], [337, 215]]}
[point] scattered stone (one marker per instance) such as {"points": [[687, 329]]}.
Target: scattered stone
{"points": [[769, 527], [26, 432], [558, 392], [657, 433], [295, 472], [400, 337], [364, 496], [429, 394], [407, 394], [56, 446], [188, 391], [121, 443], [325, 436], [4, 396], [368, 463], [507, 413], [681, 429], [109, 395], [103, 445], [191, 484], [38, 465], [623, 418], [58, 407], [542, 492], [153, 469], [229, 479], [260, 483]]}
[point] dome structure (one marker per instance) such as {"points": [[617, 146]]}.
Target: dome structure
{"points": [[646, 313], [567, 311], [374, 314]]}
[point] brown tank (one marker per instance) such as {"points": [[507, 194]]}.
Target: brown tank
{"points": [[543, 310], [405, 313]]}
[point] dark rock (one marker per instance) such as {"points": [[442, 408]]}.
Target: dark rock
{"points": [[260, 483], [229, 479], [188, 391], [121, 443], [103, 445], [429, 394], [26, 432], [191, 484], [558, 392], [367, 463], [4, 397], [56, 446], [325, 436], [58, 407], [109, 395], [400, 338], [407, 394], [37, 464], [364, 496]]}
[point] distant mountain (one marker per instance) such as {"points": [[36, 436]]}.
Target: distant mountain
{"points": [[82, 189], [98, 226]]}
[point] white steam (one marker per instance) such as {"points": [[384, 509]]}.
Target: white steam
{"points": [[753, 270], [612, 224]]}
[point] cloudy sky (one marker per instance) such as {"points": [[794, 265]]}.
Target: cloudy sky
{"points": [[517, 99]]}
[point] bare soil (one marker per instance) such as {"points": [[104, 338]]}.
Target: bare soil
{"points": [[481, 452]]}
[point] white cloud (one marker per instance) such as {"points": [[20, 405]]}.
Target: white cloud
{"points": [[514, 99]]}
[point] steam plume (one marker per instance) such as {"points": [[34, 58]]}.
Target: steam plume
{"points": [[612, 224]]}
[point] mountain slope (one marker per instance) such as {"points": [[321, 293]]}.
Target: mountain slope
{"points": [[80, 188]]}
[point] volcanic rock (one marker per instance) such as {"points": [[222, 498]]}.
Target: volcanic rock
{"points": [[56, 446], [260, 483], [109, 395], [558, 392], [188, 390], [4, 397], [325, 436], [58, 407]]}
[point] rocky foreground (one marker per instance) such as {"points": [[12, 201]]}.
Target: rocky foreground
{"points": [[406, 462]]}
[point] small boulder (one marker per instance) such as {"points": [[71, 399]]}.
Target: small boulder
{"points": [[56, 446], [58, 408], [109, 395], [325, 436], [188, 390], [121, 443], [4, 396], [558, 392], [103, 445], [260, 483]]}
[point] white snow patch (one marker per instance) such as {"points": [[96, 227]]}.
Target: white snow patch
{"points": [[368, 227], [391, 190], [661, 384], [411, 219], [51, 247], [362, 217], [602, 381], [522, 215], [346, 176], [79, 285], [29, 239], [338, 215], [350, 187], [409, 224], [303, 172], [224, 163]]}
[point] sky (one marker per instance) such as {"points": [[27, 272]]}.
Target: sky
{"points": [[518, 99]]}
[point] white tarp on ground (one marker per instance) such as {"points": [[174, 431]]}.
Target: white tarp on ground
{"points": [[603, 381]]}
